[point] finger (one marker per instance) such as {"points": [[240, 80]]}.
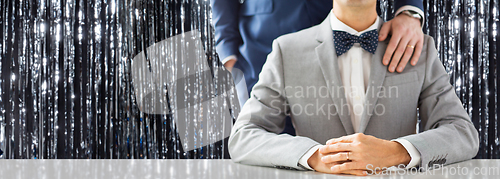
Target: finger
{"points": [[356, 172], [345, 139], [398, 53], [384, 31], [406, 57], [391, 47], [337, 147], [417, 52], [346, 167], [336, 158], [331, 141]]}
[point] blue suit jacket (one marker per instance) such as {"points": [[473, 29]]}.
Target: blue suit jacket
{"points": [[247, 30]]}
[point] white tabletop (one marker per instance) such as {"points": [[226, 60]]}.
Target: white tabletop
{"points": [[217, 169]]}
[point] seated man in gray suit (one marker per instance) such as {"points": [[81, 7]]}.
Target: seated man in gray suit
{"points": [[349, 114]]}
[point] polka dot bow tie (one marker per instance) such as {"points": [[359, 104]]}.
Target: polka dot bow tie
{"points": [[344, 41]]}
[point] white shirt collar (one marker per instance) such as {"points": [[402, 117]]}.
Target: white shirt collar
{"points": [[340, 26]]}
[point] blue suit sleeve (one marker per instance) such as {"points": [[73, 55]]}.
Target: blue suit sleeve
{"points": [[225, 16], [417, 3]]}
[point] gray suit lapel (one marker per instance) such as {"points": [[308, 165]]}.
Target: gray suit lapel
{"points": [[377, 76], [329, 66]]}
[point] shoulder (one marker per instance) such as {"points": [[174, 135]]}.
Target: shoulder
{"points": [[429, 49], [429, 41], [300, 39]]}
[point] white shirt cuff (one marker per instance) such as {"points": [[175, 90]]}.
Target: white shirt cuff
{"points": [[412, 8], [231, 57], [307, 155], [414, 153]]}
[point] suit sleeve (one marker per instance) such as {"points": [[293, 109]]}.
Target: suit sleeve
{"points": [[416, 3], [449, 135], [255, 138], [225, 16]]}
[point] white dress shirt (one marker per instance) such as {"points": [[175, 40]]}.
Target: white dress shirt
{"points": [[354, 67]]}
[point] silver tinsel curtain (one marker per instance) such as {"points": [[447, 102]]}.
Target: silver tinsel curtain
{"points": [[68, 87], [78, 80]]}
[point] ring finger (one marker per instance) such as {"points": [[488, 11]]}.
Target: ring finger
{"points": [[403, 43], [338, 157], [410, 48]]}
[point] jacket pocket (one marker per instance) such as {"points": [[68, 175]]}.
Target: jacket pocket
{"points": [[254, 7]]}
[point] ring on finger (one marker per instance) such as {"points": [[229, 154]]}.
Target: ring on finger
{"points": [[410, 46], [347, 155]]}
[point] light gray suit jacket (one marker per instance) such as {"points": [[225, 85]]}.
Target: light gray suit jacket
{"points": [[301, 79]]}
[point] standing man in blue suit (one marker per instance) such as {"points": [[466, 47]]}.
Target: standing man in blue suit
{"points": [[245, 29]]}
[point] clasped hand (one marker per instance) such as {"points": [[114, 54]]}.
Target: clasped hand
{"points": [[352, 154]]}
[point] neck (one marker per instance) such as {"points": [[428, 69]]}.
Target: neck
{"points": [[358, 18]]}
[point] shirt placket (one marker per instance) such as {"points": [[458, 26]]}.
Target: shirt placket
{"points": [[357, 85]]}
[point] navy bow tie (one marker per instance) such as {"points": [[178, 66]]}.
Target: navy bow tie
{"points": [[344, 41]]}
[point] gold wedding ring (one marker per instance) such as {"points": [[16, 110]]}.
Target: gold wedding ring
{"points": [[347, 155], [411, 46]]}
